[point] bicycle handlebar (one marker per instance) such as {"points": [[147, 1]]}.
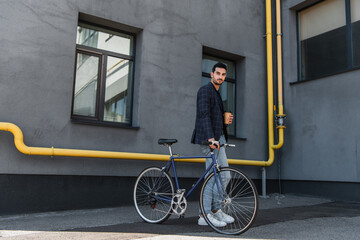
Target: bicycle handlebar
{"points": [[229, 145], [216, 143]]}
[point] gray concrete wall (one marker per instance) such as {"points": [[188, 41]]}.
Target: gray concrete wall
{"points": [[323, 134], [37, 67]]}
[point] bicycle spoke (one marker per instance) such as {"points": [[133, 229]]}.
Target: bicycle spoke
{"points": [[235, 195], [150, 194]]}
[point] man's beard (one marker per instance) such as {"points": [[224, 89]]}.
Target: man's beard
{"points": [[217, 83]]}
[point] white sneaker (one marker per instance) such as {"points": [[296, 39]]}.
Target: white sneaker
{"points": [[213, 221], [202, 221], [223, 217]]}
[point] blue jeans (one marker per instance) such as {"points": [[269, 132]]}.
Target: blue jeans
{"points": [[212, 199]]}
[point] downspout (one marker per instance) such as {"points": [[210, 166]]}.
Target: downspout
{"points": [[20, 145]]}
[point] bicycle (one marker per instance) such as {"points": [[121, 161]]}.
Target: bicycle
{"points": [[155, 197]]}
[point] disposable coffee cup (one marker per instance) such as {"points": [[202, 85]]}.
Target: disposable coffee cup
{"points": [[226, 117]]}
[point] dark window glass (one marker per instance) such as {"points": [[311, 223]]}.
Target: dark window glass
{"points": [[356, 42], [324, 54], [329, 42], [355, 26]]}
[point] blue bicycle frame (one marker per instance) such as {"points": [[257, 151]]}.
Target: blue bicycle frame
{"points": [[171, 163]]}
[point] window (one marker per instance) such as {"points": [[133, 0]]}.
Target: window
{"points": [[355, 28], [329, 33], [227, 89], [103, 75]]}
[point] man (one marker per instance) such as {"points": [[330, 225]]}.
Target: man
{"points": [[210, 126]]}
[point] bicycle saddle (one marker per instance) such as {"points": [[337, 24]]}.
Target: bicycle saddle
{"points": [[167, 141]]}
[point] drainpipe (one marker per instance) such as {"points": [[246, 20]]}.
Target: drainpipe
{"points": [[20, 145]]}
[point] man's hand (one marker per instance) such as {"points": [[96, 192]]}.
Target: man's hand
{"points": [[231, 117], [228, 118], [215, 145]]}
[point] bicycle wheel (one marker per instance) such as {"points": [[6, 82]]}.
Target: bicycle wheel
{"points": [[236, 197], [153, 192]]}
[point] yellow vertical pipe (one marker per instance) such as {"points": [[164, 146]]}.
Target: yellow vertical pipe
{"points": [[279, 57], [279, 75], [270, 89]]}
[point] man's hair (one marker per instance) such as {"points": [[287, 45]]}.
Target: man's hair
{"points": [[219, 65]]}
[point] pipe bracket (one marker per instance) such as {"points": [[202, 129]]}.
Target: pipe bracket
{"points": [[280, 121]]}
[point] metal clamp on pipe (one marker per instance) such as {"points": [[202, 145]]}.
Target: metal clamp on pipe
{"points": [[280, 121]]}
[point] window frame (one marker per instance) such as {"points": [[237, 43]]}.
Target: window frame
{"points": [[100, 94], [349, 45], [227, 79]]}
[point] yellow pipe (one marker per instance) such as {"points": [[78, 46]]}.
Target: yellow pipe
{"points": [[270, 89], [279, 54], [20, 145], [279, 75]]}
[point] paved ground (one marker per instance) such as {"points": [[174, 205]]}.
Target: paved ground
{"points": [[280, 217]]}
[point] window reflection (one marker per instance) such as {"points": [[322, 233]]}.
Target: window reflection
{"points": [[117, 107], [106, 40], [86, 85]]}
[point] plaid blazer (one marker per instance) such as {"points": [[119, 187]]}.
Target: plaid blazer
{"points": [[209, 115]]}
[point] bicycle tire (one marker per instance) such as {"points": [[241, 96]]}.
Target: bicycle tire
{"points": [[152, 206], [240, 201]]}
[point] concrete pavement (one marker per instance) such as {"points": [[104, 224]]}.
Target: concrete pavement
{"points": [[280, 217]]}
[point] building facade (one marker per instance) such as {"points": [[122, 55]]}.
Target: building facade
{"points": [[119, 75]]}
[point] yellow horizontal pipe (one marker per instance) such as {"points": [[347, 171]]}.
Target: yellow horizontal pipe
{"points": [[20, 145]]}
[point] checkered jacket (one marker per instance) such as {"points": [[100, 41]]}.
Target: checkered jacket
{"points": [[209, 115]]}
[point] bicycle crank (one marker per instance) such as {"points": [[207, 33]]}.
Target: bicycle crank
{"points": [[179, 204]]}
